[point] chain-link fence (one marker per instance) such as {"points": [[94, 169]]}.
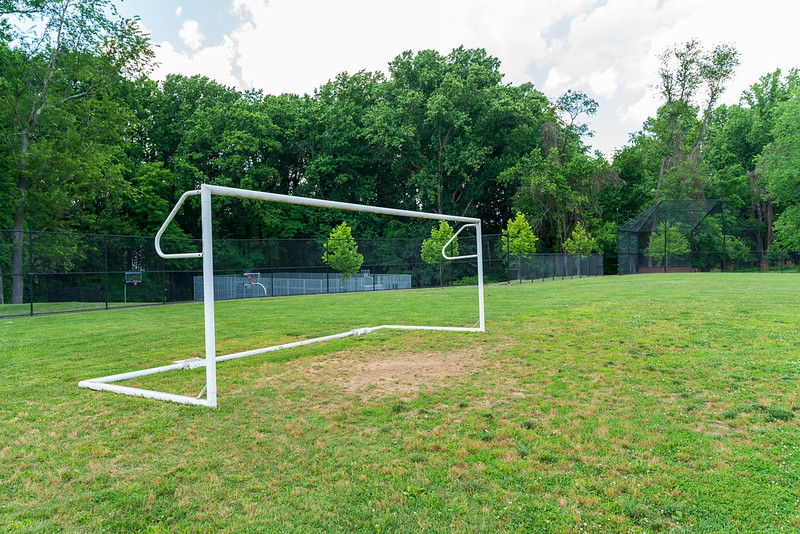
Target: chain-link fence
{"points": [[48, 272], [688, 235], [551, 266]]}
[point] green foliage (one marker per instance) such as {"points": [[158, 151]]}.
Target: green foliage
{"points": [[738, 250], [341, 252], [521, 239], [580, 242], [449, 127], [560, 189], [431, 251], [780, 165], [676, 243]]}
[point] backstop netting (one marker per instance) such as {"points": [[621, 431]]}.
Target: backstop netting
{"points": [[686, 236]]}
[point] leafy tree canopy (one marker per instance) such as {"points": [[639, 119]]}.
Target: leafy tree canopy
{"points": [[580, 242], [431, 251], [521, 239], [341, 252]]}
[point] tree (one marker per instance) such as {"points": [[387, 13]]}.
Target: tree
{"points": [[665, 243], [431, 251], [449, 127], [341, 252], [580, 242], [737, 137], [559, 191], [521, 239], [779, 164], [52, 83], [573, 104], [684, 71]]}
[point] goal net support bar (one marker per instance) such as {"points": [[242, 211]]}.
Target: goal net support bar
{"points": [[108, 383]]}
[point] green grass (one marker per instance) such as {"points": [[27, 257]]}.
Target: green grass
{"points": [[20, 310], [651, 403]]}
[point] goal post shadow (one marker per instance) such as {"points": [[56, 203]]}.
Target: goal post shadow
{"points": [[109, 383]]}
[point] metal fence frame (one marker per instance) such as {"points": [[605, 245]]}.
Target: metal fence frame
{"points": [[92, 277]]}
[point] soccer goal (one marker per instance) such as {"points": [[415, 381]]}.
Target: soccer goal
{"points": [[110, 383]]}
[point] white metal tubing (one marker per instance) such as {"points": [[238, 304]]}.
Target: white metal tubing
{"points": [[205, 192], [161, 230], [134, 374], [479, 238], [105, 383], [356, 332], [146, 393], [455, 235], [262, 287], [305, 201], [208, 296]]}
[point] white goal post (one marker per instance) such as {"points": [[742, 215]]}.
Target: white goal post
{"points": [[108, 383]]}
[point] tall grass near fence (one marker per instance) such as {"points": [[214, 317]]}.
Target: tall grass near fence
{"points": [[657, 403]]}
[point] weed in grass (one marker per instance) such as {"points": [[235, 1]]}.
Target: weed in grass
{"points": [[548, 457], [400, 407], [779, 414], [522, 448]]}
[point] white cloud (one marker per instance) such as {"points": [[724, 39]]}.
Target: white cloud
{"points": [[178, 11], [191, 35], [606, 48], [330, 37], [557, 81], [637, 112], [604, 84], [214, 62]]}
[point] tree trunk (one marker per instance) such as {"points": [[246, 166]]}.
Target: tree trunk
{"points": [[17, 238], [770, 224], [18, 225], [757, 211], [660, 177], [17, 235]]}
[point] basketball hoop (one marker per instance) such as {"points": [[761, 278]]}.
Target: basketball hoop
{"points": [[131, 277], [253, 279]]}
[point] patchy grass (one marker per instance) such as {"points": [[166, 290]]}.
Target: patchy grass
{"points": [[651, 403]]}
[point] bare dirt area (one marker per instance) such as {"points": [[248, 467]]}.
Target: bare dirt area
{"points": [[393, 373]]}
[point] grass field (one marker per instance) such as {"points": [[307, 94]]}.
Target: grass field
{"points": [[650, 403]]}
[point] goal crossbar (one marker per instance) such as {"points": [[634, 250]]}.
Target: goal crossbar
{"points": [[109, 383]]}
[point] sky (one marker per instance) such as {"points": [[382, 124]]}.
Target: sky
{"points": [[606, 48]]}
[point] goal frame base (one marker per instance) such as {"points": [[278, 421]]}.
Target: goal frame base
{"points": [[109, 383]]}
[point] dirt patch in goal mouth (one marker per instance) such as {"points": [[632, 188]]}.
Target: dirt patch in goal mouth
{"points": [[393, 373]]}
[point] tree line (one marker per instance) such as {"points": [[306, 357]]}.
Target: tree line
{"points": [[90, 143]]}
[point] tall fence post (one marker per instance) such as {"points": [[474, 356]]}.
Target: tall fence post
{"points": [[327, 270], [30, 269], [271, 267], [374, 266], [164, 279], [105, 265], [724, 248], [508, 257], [451, 266]]}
